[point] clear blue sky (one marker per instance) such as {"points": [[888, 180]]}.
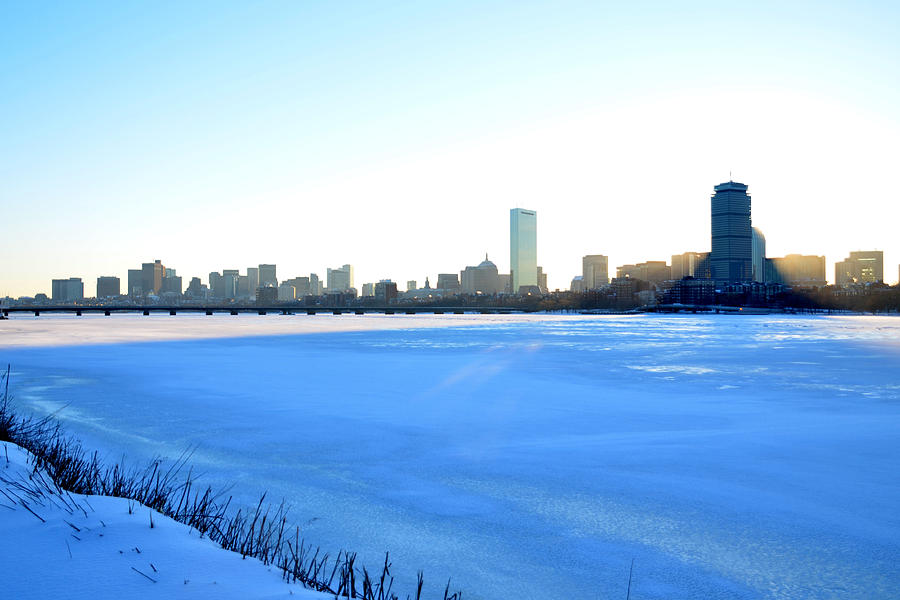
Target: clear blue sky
{"points": [[396, 136]]}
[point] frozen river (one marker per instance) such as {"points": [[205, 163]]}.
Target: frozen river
{"points": [[527, 457]]}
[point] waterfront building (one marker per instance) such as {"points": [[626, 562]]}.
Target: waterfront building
{"points": [[594, 271], [368, 290], [652, 271], [267, 276], [108, 287], [731, 258], [577, 284], [797, 270], [864, 266], [67, 290], [522, 248], [340, 280], [411, 285], [758, 250]]}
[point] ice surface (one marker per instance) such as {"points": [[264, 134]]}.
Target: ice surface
{"points": [[529, 457]]}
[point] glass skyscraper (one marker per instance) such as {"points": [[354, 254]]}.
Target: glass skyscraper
{"points": [[731, 258], [522, 248]]}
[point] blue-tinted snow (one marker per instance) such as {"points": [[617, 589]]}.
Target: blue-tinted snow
{"points": [[730, 456]]}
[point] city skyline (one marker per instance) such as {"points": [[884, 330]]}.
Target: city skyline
{"points": [[298, 136]]}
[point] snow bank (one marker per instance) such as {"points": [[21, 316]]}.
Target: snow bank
{"points": [[61, 545]]}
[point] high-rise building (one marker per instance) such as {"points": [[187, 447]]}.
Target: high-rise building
{"points": [[758, 248], [340, 280], [230, 280], [731, 258], [216, 286], [252, 280], [411, 285], [385, 291], [108, 287], [67, 290], [483, 279], [194, 289], [542, 280], [865, 266], [286, 292], [267, 276], [448, 282], [796, 270], [135, 282], [594, 271], [368, 290], [315, 285], [301, 286], [652, 271], [152, 276], [522, 248], [690, 264]]}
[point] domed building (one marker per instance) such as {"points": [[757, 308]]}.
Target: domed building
{"points": [[483, 279]]}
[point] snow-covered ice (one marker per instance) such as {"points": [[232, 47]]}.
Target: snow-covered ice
{"points": [[525, 456]]}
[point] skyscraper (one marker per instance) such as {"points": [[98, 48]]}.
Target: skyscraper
{"points": [[731, 258], [866, 266], [594, 271], [151, 277], [522, 248], [267, 276], [340, 280], [107, 287], [759, 255]]}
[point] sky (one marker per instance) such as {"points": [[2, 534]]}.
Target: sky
{"points": [[396, 136]]}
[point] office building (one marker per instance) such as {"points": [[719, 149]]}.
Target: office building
{"points": [[286, 292], [216, 287], [340, 280], [522, 248], [301, 286], [230, 279], [385, 291], [368, 290], [796, 270], [252, 280], [411, 285], [108, 287], [172, 285], [483, 279], [315, 285], [860, 267], [758, 250], [151, 277], [267, 277], [448, 282], [577, 284], [690, 264], [594, 271], [542, 280], [731, 258], [652, 271], [67, 290], [194, 289], [135, 285]]}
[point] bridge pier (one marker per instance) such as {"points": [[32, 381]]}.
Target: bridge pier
{"points": [[77, 313], [262, 312], [234, 313], [410, 312], [388, 312], [310, 311], [209, 313], [457, 312], [106, 313], [336, 312], [146, 313], [438, 312], [171, 313], [360, 312], [37, 313]]}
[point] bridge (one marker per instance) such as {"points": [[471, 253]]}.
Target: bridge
{"points": [[263, 310]]}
